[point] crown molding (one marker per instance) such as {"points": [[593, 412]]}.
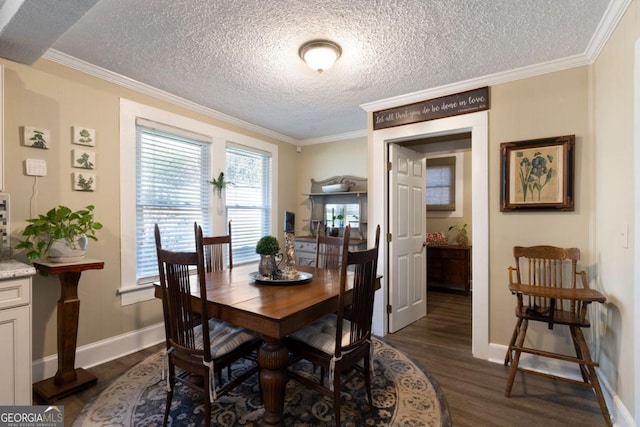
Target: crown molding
{"points": [[101, 73], [609, 22], [488, 80], [333, 138]]}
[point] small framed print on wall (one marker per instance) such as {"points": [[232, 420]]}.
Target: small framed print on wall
{"points": [[538, 174], [83, 181], [35, 137], [83, 159], [83, 136]]}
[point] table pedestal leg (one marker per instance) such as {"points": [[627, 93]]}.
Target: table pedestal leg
{"points": [[272, 358], [67, 380]]}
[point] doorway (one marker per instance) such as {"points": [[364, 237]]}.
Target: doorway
{"points": [[448, 277], [477, 125]]}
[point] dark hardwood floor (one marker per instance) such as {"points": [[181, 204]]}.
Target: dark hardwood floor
{"points": [[441, 344], [106, 373]]}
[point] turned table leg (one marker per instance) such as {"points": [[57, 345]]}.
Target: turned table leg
{"points": [[272, 358]]}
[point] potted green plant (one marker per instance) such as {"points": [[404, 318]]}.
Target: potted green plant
{"points": [[220, 183], [60, 228], [335, 231], [268, 248]]}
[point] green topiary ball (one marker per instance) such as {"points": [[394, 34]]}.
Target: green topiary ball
{"points": [[267, 245]]}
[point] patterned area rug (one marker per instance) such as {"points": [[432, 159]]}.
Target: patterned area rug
{"points": [[404, 395]]}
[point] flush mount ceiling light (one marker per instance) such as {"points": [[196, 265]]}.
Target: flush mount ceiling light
{"points": [[320, 55]]}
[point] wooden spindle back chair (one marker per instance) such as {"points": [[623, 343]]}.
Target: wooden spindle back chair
{"points": [[351, 343], [550, 289], [201, 347]]}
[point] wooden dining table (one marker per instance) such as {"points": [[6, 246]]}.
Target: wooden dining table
{"points": [[273, 311]]}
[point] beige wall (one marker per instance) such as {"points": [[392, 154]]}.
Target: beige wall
{"points": [[550, 105], [614, 185], [54, 97], [322, 161]]}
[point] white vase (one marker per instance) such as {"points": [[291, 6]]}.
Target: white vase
{"points": [[221, 201], [61, 250]]}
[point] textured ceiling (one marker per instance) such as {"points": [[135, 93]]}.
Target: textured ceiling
{"points": [[240, 57]]}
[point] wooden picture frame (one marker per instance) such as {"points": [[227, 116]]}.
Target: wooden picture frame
{"points": [[538, 174]]}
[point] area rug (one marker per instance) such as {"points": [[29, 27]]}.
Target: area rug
{"points": [[403, 394]]}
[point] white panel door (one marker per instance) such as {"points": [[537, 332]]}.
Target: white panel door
{"points": [[408, 225]]}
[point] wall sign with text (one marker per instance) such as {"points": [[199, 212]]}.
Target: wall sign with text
{"points": [[437, 108]]}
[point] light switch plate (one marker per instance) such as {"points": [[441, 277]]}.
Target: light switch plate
{"points": [[35, 167]]}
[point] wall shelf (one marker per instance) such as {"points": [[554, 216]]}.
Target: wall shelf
{"points": [[357, 194]]}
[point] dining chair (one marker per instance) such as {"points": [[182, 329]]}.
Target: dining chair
{"points": [[545, 282], [214, 250], [337, 344], [199, 346], [328, 250]]}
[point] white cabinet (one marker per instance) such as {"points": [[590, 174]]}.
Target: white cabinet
{"points": [[15, 333], [305, 249]]}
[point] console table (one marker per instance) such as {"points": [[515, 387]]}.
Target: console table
{"points": [[449, 266], [67, 379]]}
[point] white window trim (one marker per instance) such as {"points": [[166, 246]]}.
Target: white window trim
{"points": [[459, 182], [130, 291]]}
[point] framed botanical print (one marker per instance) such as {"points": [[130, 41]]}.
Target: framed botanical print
{"points": [[538, 174]]}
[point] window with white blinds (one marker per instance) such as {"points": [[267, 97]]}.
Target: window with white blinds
{"points": [[248, 199], [172, 170], [441, 184]]}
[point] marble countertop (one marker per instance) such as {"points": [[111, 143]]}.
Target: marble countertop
{"points": [[11, 268]]}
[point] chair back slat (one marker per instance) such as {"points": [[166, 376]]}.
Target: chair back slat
{"points": [[360, 267], [328, 250], [214, 251], [548, 266]]}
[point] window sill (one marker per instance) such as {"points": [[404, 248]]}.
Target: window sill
{"points": [[129, 296]]}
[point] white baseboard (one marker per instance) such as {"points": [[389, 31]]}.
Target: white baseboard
{"points": [[621, 416], [102, 351]]}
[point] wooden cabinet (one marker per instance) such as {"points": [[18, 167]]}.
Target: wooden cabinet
{"points": [[449, 267], [305, 249], [15, 333]]}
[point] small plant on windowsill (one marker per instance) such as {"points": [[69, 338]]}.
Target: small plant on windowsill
{"points": [[335, 231]]}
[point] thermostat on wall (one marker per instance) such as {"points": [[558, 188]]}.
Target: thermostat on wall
{"points": [[35, 167]]}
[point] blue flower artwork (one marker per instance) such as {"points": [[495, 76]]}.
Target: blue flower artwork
{"points": [[536, 170]]}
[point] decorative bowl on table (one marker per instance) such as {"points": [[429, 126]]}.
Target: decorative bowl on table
{"points": [[335, 188], [280, 279]]}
